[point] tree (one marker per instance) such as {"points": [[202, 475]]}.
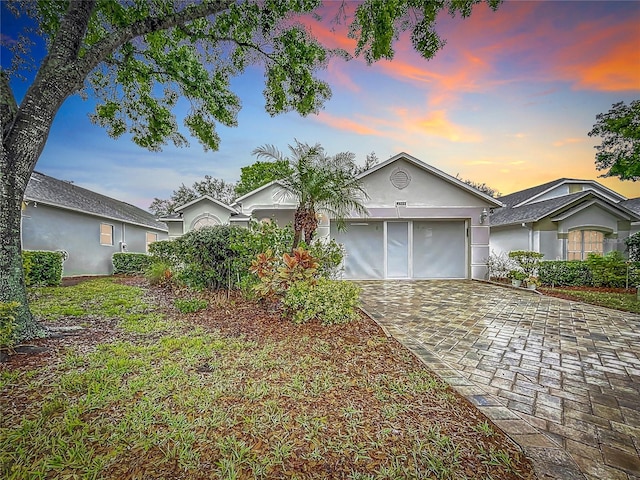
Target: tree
{"points": [[138, 58], [213, 187], [259, 174], [619, 151], [320, 184], [483, 187]]}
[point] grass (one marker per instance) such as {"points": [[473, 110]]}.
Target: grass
{"points": [[234, 397], [621, 301]]}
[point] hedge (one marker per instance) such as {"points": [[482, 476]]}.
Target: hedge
{"points": [[130, 263], [608, 271], [42, 268]]}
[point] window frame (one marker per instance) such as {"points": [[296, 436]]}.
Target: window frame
{"points": [[147, 242], [579, 249], [103, 234]]}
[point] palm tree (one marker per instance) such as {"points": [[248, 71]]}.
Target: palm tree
{"points": [[320, 184]]}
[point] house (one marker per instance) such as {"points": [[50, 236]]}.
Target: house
{"points": [[422, 222], [89, 227], [565, 219]]}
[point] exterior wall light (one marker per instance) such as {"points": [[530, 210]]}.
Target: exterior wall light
{"points": [[483, 215]]}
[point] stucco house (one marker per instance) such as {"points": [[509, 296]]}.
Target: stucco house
{"points": [[422, 222], [90, 227], [565, 219]]}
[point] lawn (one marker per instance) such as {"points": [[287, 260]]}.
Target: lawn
{"points": [[129, 387], [619, 299]]}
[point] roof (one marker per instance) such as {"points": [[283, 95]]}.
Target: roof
{"points": [[206, 197], [434, 171], [632, 204], [239, 200], [534, 212], [51, 191]]}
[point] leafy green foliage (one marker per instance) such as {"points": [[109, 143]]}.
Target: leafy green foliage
{"points": [[627, 302], [633, 247], [159, 272], [619, 152], [527, 261], [563, 272], [164, 251], [329, 256], [261, 173], [42, 268], [609, 270], [130, 263], [329, 301], [190, 305], [8, 324]]}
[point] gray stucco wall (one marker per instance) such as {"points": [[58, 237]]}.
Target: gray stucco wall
{"points": [[203, 208], [506, 239], [51, 228]]}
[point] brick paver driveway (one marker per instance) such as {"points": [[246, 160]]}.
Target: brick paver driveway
{"points": [[570, 370]]}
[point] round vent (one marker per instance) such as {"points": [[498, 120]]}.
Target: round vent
{"points": [[400, 178]]}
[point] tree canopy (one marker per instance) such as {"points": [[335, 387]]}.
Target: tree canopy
{"points": [[260, 173], [138, 58], [619, 152]]}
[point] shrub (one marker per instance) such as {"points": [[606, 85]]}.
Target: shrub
{"points": [[499, 265], [159, 273], [277, 275], [562, 272], [329, 301], [329, 256], [527, 261], [130, 263], [208, 257], [633, 247], [190, 305], [609, 270], [42, 268], [165, 251], [7, 324]]}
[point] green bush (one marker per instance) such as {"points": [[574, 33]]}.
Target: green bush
{"points": [[164, 251], [8, 324], [609, 270], [565, 273], [527, 261], [329, 256], [130, 263], [42, 268], [209, 259], [190, 305], [329, 301], [633, 247]]}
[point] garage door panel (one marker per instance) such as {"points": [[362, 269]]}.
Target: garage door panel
{"points": [[364, 246], [439, 249]]}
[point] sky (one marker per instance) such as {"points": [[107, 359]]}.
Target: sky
{"points": [[508, 102]]}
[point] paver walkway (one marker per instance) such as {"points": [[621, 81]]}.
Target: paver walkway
{"points": [[568, 369]]}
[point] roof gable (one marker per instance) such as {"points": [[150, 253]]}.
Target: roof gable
{"points": [[51, 191], [435, 172], [205, 198]]}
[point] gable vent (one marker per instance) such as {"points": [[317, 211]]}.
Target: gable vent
{"points": [[400, 178]]}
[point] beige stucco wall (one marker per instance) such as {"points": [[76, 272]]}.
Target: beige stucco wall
{"points": [[202, 208]]}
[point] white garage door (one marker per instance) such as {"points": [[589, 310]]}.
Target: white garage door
{"points": [[403, 249]]}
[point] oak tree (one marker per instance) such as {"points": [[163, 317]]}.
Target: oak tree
{"points": [[139, 57]]}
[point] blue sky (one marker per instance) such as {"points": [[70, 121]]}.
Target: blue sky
{"points": [[508, 101]]}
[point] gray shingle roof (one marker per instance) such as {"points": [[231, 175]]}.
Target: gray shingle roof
{"points": [[519, 197], [532, 212], [48, 190], [632, 204]]}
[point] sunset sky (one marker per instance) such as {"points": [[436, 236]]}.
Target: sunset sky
{"points": [[508, 101]]}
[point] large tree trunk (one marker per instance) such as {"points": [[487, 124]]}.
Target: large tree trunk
{"points": [[298, 226], [12, 286]]}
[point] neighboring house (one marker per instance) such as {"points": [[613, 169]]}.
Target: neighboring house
{"points": [[565, 219], [90, 227], [422, 223], [202, 212]]}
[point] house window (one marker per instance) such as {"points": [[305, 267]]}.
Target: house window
{"points": [[205, 220], [583, 242], [151, 237], [106, 234]]}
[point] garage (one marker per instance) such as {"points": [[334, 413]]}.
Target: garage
{"points": [[404, 249]]}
